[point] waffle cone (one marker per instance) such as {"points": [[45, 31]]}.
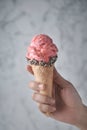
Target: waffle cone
{"points": [[44, 75]]}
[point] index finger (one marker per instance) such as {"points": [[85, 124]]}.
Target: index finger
{"points": [[36, 86]]}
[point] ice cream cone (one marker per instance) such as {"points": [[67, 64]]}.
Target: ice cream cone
{"points": [[41, 55], [44, 74]]}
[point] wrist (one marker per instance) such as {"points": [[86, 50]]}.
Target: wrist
{"points": [[82, 123]]}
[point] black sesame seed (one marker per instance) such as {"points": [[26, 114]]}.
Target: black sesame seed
{"points": [[42, 63]]}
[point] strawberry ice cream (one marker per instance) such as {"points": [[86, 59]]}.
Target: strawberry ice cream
{"points": [[42, 50]]}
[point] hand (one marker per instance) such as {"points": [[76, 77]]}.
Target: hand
{"points": [[66, 106]]}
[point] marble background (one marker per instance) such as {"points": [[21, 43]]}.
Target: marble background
{"points": [[66, 22]]}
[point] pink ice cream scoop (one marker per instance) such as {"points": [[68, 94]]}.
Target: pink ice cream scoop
{"points": [[42, 51]]}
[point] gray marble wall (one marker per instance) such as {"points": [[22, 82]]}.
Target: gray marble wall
{"points": [[66, 22]]}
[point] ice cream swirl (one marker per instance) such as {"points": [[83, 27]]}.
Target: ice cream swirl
{"points": [[41, 49]]}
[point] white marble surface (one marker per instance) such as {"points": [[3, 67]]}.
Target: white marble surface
{"points": [[66, 22]]}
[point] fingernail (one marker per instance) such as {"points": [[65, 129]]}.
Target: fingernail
{"points": [[41, 86]]}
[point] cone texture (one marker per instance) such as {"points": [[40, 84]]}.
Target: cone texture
{"points": [[44, 75]]}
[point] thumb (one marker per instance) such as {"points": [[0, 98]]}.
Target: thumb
{"points": [[59, 80]]}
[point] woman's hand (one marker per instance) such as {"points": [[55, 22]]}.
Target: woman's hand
{"points": [[66, 104]]}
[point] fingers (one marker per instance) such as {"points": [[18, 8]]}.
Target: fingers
{"points": [[45, 104], [43, 99], [29, 68], [36, 86], [46, 108]]}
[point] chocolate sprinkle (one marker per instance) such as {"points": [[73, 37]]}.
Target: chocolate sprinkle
{"points": [[42, 63]]}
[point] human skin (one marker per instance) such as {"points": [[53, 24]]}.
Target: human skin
{"points": [[66, 104]]}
